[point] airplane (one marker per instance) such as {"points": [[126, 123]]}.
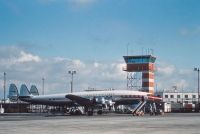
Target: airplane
{"points": [[90, 100]]}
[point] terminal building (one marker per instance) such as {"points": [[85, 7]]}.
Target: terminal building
{"points": [[187, 98], [180, 101]]}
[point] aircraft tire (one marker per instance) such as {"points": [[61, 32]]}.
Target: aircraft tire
{"points": [[90, 113], [99, 112]]}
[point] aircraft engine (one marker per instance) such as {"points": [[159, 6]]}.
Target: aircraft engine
{"points": [[100, 100], [109, 103]]}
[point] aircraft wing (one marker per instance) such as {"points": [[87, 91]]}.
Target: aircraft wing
{"points": [[80, 100], [154, 98]]}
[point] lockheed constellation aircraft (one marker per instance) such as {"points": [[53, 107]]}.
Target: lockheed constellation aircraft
{"points": [[89, 100]]}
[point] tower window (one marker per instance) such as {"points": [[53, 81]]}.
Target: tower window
{"points": [[186, 96]]}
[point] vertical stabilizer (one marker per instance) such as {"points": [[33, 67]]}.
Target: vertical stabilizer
{"points": [[13, 92], [34, 90], [24, 91]]}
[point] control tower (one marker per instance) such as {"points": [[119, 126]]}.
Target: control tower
{"points": [[143, 64]]}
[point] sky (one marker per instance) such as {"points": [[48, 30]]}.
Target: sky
{"points": [[47, 38]]}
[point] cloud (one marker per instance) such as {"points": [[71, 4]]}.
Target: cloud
{"points": [[11, 56], [81, 3], [165, 69], [26, 57], [50, 1], [78, 64], [190, 31], [167, 76], [184, 31], [24, 67], [70, 3], [182, 83]]}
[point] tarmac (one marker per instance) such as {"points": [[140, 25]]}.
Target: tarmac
{"points": [[171, 123]]}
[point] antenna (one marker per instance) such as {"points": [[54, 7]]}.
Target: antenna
{"points": [[127, 47], [4, 87], [152, 51], [142, 50], [43, 86]]}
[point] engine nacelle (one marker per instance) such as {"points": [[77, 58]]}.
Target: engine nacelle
{"points": [[109, 103], [100, 100]]}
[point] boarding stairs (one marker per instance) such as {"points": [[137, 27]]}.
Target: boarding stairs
{"points": [[138, 108]]}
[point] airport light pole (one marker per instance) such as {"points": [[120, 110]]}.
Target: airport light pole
{"points": [[43, 86], [72, 78], [127, 49], [43, 91], [197, 69], [4, 87]]}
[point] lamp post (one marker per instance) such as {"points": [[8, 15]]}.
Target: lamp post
{"points": [[43, 86], [4, 87], [72, 74], [197, 69]]}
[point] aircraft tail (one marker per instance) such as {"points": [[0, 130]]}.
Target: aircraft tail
{"points": [[13, 92], [34, 90], [24, 92]]}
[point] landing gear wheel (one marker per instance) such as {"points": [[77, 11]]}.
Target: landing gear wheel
{"points": [[90, 113], [100, 112]]}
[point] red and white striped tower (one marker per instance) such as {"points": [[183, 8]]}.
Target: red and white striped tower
{"points": [[145, 65]]}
